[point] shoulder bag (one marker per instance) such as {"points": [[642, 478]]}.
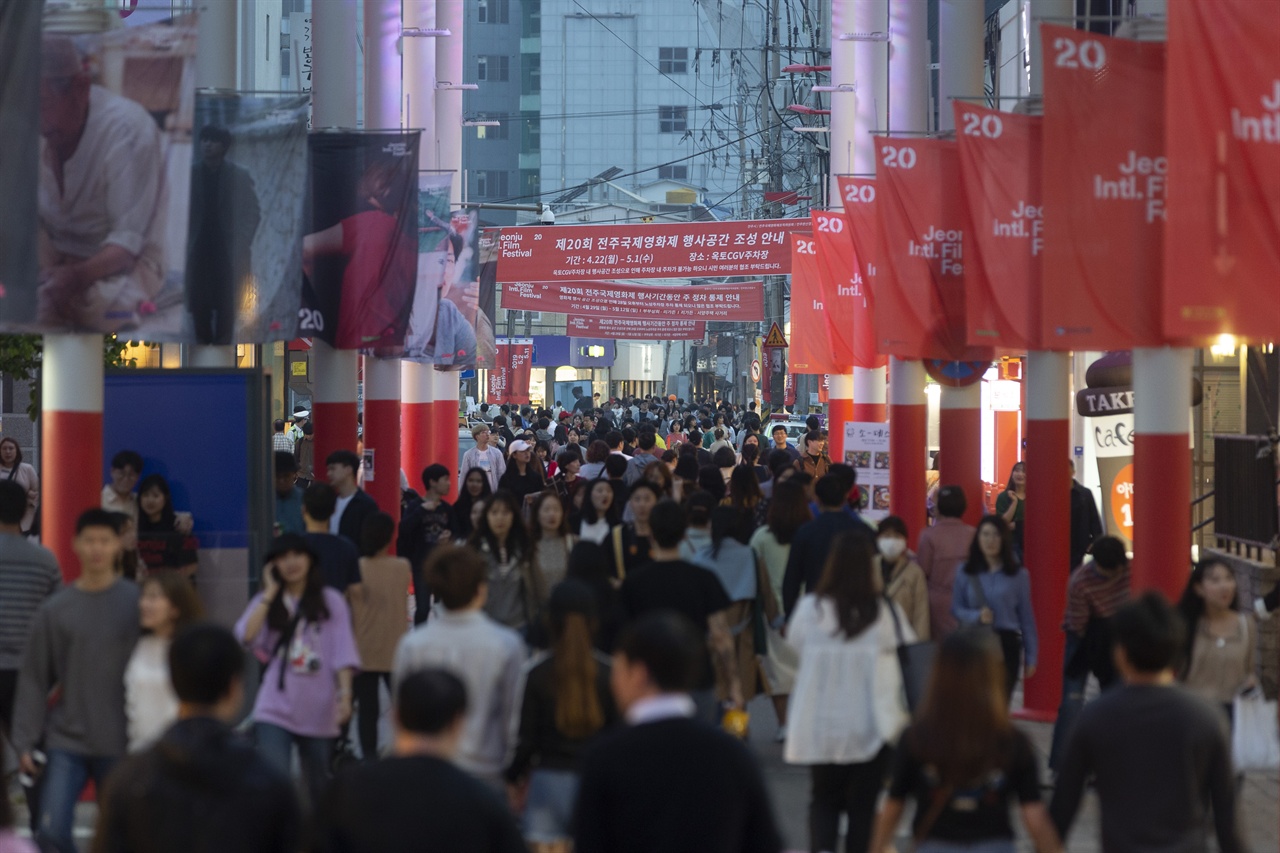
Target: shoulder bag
{"points": [[915, 659]]}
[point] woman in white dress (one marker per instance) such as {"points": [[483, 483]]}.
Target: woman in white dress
{"points": [[167, 605]]}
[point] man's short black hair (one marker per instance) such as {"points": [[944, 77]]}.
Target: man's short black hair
{"points": [[951, 501], [13, 502], [847, 474], [344, 457], [320, 500], [1150, 631], [811, 435], [96, 517], [376, 533], [433, 472], [813, 423], [128, 459], [285, 463], [648, 440], [615, 465], [429, 701], [205, 660], [216, 133], [1109, 553], [830, 490], [667, 644], [667, 523], [777, 427], [613, 438]]}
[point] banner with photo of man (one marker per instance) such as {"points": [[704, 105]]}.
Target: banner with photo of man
{"points": [[360, 255], [248, 201], [449, 325], [116, 116], [20, 157]]}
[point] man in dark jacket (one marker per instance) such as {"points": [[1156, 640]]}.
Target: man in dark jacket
{"points": [[1086, 526], [201, 788], [354, 503], [812, 542]]}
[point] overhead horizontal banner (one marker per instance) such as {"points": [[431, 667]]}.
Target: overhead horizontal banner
{"points": [[839, 283], [509, 378], [743, 301], [114, 188], [20, 164], [1000, 166], [657, 250], [1105, 176], [920, 304], [621, 329], [859, 197], [248, 200], [811, 348], [361, 257], [1222, 241]]}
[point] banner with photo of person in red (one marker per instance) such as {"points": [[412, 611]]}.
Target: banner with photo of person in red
{"points": [[509, 378]]}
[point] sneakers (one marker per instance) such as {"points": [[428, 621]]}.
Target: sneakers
{"points": [[781, 736]]}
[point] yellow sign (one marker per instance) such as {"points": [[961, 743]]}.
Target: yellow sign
{"points": [[299, 368], [775, 338]]}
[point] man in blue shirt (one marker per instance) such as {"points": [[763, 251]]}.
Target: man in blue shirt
{"points": [[288, 495]]}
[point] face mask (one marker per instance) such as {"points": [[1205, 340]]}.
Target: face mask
{"points": [[891, 547]]}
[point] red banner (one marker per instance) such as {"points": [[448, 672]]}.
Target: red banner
{"points": [[859, 195], [919, 305], [837, 272], [1000, 166], [659, 250], [811, 348], [1105, 176], [635, 330], [743, 301], [1222, 241], [509, 379]]}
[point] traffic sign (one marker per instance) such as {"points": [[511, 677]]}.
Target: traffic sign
{"points": [[755, 370], [775, 338]]}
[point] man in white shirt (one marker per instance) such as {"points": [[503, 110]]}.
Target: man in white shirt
{"points": [[488, 459], [101, 192], [118, 495]]}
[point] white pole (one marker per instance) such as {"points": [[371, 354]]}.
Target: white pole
{"points": [[450, 15]]}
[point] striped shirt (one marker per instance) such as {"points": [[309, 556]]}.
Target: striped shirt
{"points": [[28, 575], [1093, 594]]}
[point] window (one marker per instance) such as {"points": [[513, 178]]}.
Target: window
{"points": [[673, 60], [493, 68], [491, 183], [493, 11], [673, 173], [673, 119], [497, 132]]}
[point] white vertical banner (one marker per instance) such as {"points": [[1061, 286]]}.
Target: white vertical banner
{"points": [[866, 448]]}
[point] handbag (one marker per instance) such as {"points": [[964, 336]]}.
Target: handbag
{"points": [[915, 660], [1255, 735]]}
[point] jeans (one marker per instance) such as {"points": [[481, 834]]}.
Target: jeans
{"points": [[845, 788], [276, 746], [1073, 687], [368, 706], [63, 779], [991, 845], [548, 810]]}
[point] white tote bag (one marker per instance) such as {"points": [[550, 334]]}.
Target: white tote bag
{"points": [[1255, 738]]}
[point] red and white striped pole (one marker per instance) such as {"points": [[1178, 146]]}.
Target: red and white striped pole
{"points": [[960, 444], [417, 394], [333, 104], [444, 422], [869, 394], [1047, 539], [71, 435], [908, 436], [839, 412], [1161, 469]]}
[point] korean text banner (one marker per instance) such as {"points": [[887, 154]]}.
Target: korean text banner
{"points": [[509, 379], [811, 347], [1105, 176], [248, 200], [635, 330], [921, 279], [448, 325], [1000, 163], [19, 163], [1222, 241], [859, 197], [114, 181], [719, 302], [659, 250], [361, 255]]}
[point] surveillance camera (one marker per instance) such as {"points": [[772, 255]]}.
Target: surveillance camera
{"points": [[547, 217]]}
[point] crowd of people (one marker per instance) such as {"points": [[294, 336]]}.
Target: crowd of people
{"points": [[570, 646]]}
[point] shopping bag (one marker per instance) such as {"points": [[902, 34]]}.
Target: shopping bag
{"points": [[1255, 737], [915, 660]]}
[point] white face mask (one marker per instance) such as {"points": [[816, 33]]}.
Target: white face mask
{"points": [[891, 546]]}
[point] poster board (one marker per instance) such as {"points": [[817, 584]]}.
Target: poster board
{"points": [[866, 448]]}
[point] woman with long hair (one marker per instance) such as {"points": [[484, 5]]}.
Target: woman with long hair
{"points": [[848, 704], [788, 511], [1011, 504], [726, 460], [168, 604], [993, 589], [475, 488], [567, 702], [735, 565], [745, 496], [514, 590], [1220, 656], [300, 630], [525, 475], [589, 564], [13, 468], [551, 539], [378, 606], [750, 458], [963, 761], [599, 512], [161, 547], [659, 473]]}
